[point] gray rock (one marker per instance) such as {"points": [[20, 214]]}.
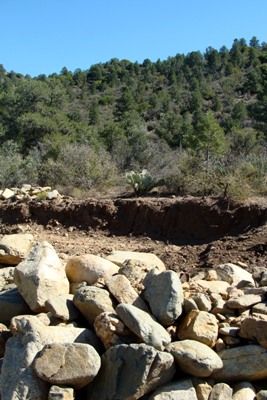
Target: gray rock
{"points": [[242, 363], [92, 301], [164, 293], [73, 364], [41, 276], [130, 371], [144, 326], [221, 391], [195, 358], [180, 390], [203, 302], [260, 308], [11, 305]]}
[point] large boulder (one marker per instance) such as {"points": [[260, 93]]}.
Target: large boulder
{"points": [[92, 301], [164, 294], [195, 358], [14, 248], [130, 371], [247, 362], [73, 364], [180, 390], [144, 326], [18, 379], [89, 268], [41, 276]]}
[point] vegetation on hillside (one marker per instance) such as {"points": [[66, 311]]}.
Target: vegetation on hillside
{"points": [[196, 122]]}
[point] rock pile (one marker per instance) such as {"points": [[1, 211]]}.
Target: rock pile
{"points": [[125, 328], [28, 192]]}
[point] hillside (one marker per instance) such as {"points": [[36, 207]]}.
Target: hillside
{"points": [[196, 122]]}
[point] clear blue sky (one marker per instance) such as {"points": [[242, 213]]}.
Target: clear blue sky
{"points": [[42, 36]]}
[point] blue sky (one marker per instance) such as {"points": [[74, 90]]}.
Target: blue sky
{"points": [[42, 36]]}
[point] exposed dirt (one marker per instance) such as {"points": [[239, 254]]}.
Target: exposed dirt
{"points": [[186, 233]]}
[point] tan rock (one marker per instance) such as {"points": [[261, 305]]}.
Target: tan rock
{"points": [[7, 278], [7, 194], [235, 275], [92, 301], [203, 389], [245, 301], [41, 276], [89, 268], [60, 393], [195, 358], [219, 287], [200, 326], [121, 288], [62, 307], [244, 391], [221, 391], [252, 329], [247, 362], [14, 248], [110, 329], [179, 390], [71, 364], [150, 260], [136, 272]]}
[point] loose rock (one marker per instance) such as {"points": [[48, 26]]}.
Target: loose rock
{"points": [[181, 390], [14, 248]]}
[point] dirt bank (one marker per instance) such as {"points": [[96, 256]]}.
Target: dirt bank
{"points": [[179, 220]]}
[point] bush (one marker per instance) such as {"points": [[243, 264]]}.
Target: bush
{"points": [[141, 182]]}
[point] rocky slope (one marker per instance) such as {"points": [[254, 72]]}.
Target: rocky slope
{"points": [[124, 327]]}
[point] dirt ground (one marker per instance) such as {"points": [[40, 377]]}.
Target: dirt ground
{"points": [[249, 249]]}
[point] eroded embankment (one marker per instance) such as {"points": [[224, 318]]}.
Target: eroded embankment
{"points": [[183, 220]]}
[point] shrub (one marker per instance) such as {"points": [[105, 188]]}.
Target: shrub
{"points": [[141, 182]]}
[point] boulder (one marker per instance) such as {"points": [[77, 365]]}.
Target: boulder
{"points": [[89, 268], [262, 395], [41, 276], [221, 391], [244, 391], [92, 301], [144, 326], [218, 287], [260, 308], [60, 393], [243, 302], [135, 271], [164, 294], [203, 302], [62, 307], [14, 248], [121, 288], [150, 260], [11, 305], [130, 371], [195, 358], [247, 362], [18, 379], [179, 390], [200, 326], [234, 275], [203, 388], [73, 364], [252, 328]]}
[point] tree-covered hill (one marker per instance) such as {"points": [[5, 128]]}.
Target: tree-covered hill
{"points": [[188, 115]]}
